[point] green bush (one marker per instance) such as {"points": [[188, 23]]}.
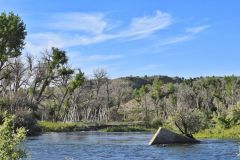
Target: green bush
{"points": [[224, 122], [156, 123], [10, 138], [189, 121], [234, 114]]}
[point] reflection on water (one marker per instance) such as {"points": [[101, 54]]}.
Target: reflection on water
{"points": [[117, 146]]}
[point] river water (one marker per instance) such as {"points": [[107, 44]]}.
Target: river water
{"points": [[121, 146]]}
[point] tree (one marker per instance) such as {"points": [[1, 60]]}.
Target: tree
{"points": [[230, 87], [49, 68], [76, 82], [101, 94], [12, 35], [186, 117], [10, 139], [140, 96], [121, 93], [156, 94], [189, 120]]}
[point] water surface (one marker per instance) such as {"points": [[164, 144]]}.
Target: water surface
{"points": [[119, 146]]}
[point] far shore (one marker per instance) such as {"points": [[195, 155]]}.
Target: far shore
{"points": [[218, 133]]}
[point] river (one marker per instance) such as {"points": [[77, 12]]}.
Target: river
{"points": [[121, 146]]}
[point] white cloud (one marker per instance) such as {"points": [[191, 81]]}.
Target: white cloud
{"points": [[75, 29], [89, 23], [198, 29], [190, 33], [79, 58], [176, 39], [40, 41], [100, 57], [143, 26]]}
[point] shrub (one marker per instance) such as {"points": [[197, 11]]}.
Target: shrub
{"points": [[156, 123], [234, 114], [10, 139], [189, 121]]}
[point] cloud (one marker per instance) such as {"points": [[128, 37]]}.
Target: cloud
{"points": [[89, 23], [39, 41], [76, 29], [100, 57], [198, 29], [190, 34], [176, 39], [143, 26]]}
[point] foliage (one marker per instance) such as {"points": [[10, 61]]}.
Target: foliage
{"points": [[127, 129], [216, 132], [77, 82], [189, 121], [47, 126], [12, 35], [10, 139], [234, 114], [156, 123]]}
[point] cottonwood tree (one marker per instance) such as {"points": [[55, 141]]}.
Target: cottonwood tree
{"points": [[12, 35], [70, 110], [45, 72], [101, 103], [121, 93]]}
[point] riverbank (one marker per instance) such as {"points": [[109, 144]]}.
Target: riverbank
{"points": [[231, 133], [221, 133], [47, 126], [128, 129]]}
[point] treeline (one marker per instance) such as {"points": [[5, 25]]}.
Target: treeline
{"points": [[192, 104]]}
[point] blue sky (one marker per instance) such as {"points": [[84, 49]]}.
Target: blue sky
{"points": [[137, 37]]}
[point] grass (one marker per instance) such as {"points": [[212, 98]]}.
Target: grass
{"points": [[47, 126], [127, 129], [231, 133]]}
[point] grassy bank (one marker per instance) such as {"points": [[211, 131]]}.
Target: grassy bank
{"points": [[128, 129], [231, 133], [47, 126], [60, 126]]}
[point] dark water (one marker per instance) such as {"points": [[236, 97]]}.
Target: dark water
{"points": [[118, 146]]}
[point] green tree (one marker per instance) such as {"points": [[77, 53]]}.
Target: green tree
{"points": [[189, 120], [230, 87], [140, 96], [156, 94], [10, 139], [12, 35]]}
